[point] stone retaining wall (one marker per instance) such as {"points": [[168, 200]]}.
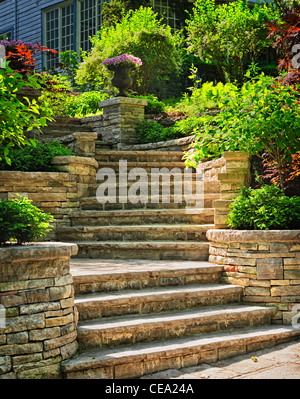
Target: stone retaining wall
{"points": [[57, 193], [265, 263], [37, 295]]}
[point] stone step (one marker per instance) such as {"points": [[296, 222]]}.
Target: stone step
{"points": [[162, 232], [129, 330], [154, 300], [97, 275], [153, 250], [140, 216], [176, 202], [100, 147], [161, 186], [142, 359], [154, 167], [139, 156]]}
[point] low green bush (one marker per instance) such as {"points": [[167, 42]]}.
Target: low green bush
{"points": [[154, 106], [36, 158], [266, 208], [153, 132], [21, 221], [85, 104]]}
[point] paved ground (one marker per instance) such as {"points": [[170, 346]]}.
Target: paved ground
{"points": [[280, 362]]}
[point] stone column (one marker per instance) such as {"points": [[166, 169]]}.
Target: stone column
{"points": [[121, 115]]}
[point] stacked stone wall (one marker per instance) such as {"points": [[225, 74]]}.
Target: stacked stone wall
{"points": [[57, 193], [39, 329], [265, 263]]}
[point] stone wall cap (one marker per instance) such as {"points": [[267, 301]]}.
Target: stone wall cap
{"points": [[235, 155], [38, 250], [20, 175], [71, 159], [123, 100], [93, 118], [247, 236]]}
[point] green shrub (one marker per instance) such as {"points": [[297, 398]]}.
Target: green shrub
{"points": [[16, 116], [22, 221], [266, 208], [262, 116], [85, 103], [154, 106], [153, 132], [35, 158]]}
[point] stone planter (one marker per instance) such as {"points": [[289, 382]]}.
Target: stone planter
{"points": [[265, 263], [38, 331], [121, 79]]}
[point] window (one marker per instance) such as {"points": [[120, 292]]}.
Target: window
{"points": [[162, 7], [69, 26], [6, 35], [59, 31]]}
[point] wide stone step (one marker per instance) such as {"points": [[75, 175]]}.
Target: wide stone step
{"points": [[140, 216], [141, 359], [175, 232], [154, 167], [154, 300], [129, 330], [155, 250], [139, 156], [102, 147], [96, 275], [162, 186], [174, 202]]}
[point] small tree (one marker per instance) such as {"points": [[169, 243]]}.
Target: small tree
{"points": [[230, 35], [263, 116], [141, 34]]}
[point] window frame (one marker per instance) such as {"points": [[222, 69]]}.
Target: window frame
{"points": [[9, 30]]}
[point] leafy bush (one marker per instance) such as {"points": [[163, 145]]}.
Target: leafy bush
{"points": [[15, 115], [153, 132], [22, 221], [208, 96], [140, 33], [154, 106], [36, 158], [266, 208], [263, 116], [21, 55], [231, 35], [85, 103]]}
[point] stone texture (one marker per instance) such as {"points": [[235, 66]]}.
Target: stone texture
{"points": [[39, 332], [272, 277]]}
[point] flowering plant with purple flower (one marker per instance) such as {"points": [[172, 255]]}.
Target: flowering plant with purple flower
{"points": [[124, 59]]}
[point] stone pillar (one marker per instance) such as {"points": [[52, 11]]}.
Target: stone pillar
{"points": [[121, 115], [39, 329], [237, 174]]}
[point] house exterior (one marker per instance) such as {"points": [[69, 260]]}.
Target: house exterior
{"points": [[61, 25], [64, 24]]}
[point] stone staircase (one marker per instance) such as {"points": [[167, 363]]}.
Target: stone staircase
{"points": [[147, 298]]}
